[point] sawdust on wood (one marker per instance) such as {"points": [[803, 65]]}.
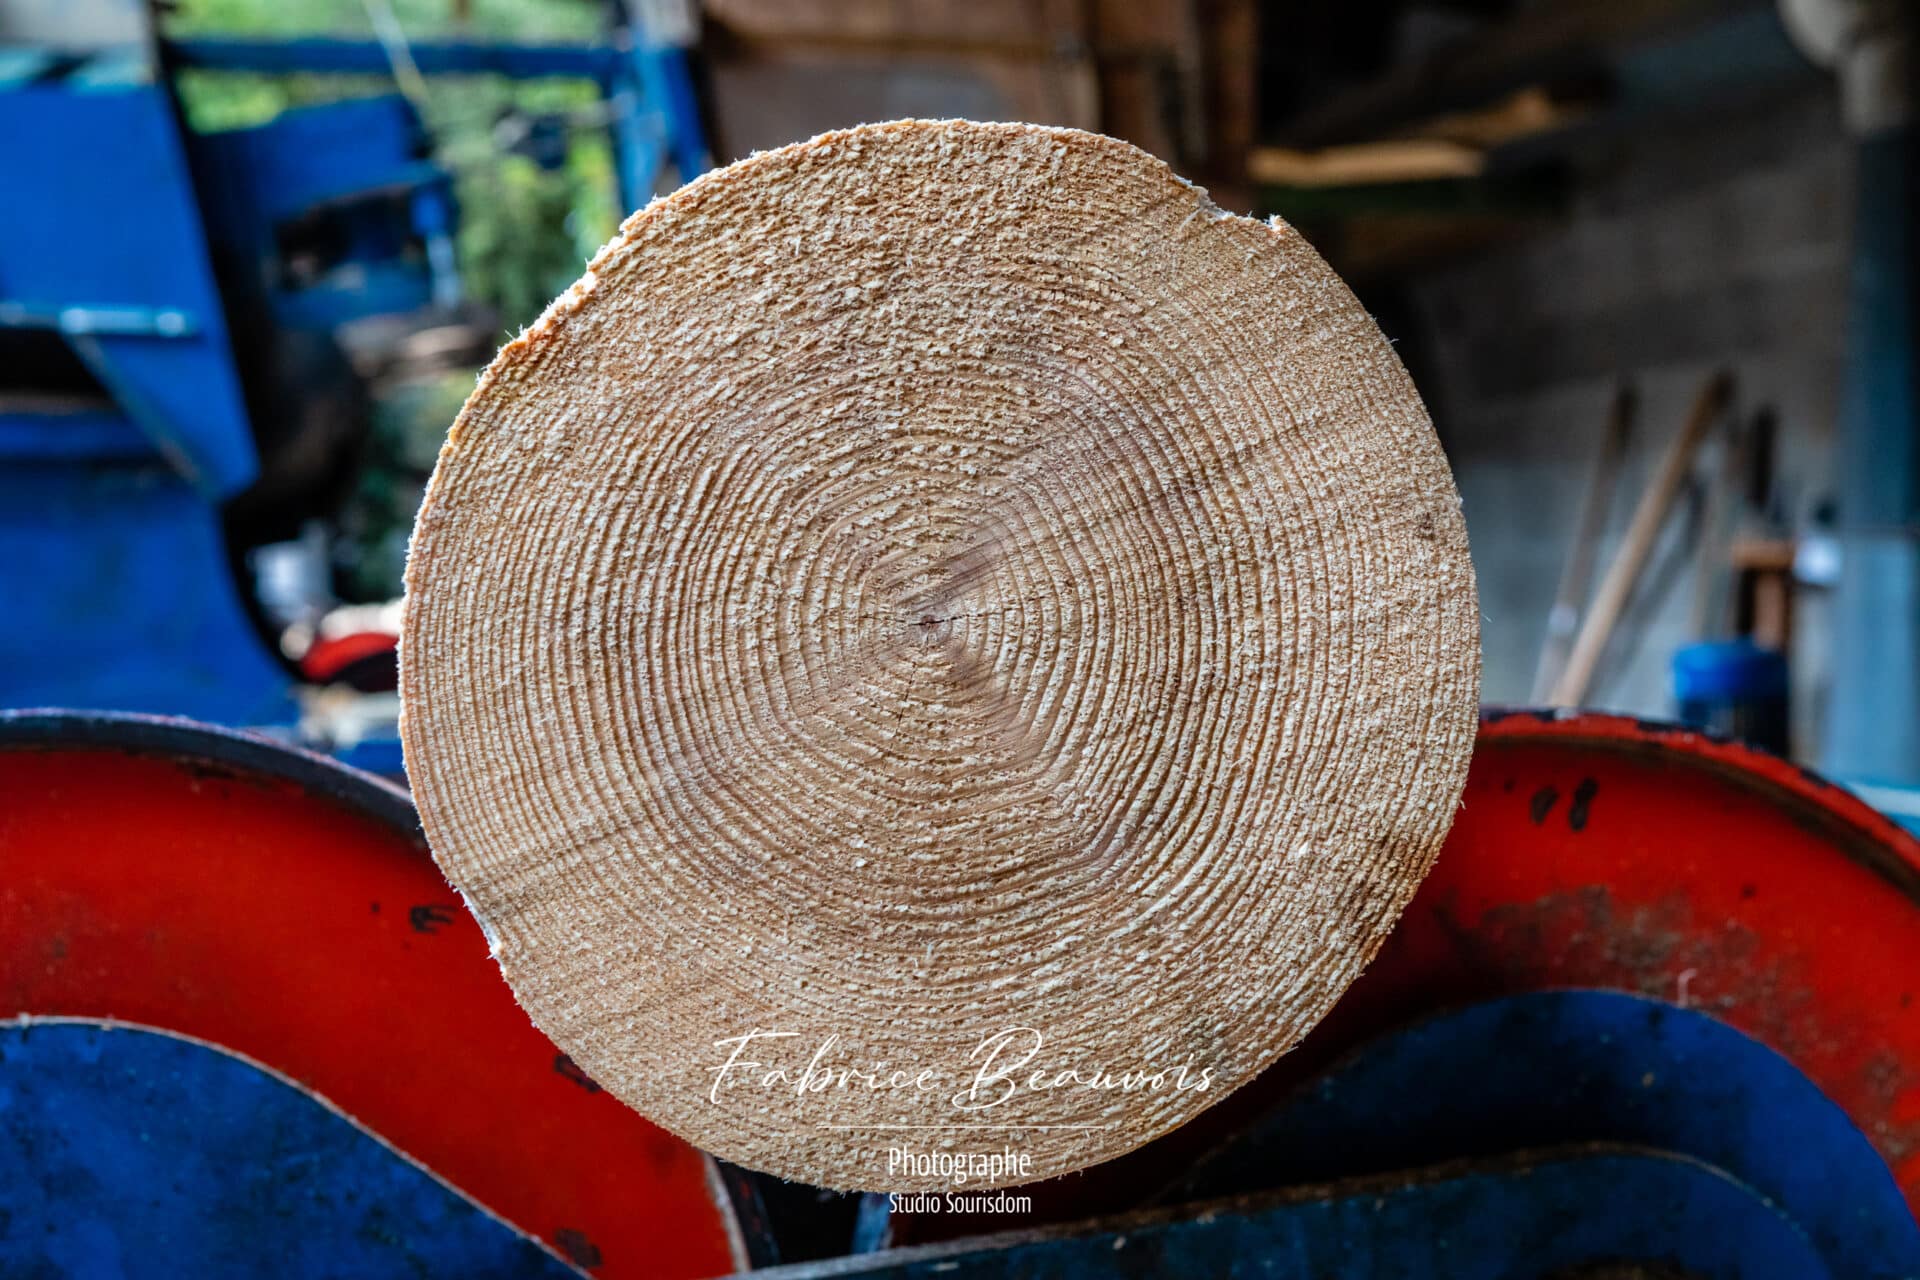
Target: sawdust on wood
{"points": [[936, 579]]}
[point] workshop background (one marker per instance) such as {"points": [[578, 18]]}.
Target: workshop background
{"points": [[1549, 206], [1650, 262]]}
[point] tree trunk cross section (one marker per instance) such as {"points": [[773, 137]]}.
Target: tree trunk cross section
{"points": [[948, 604]]}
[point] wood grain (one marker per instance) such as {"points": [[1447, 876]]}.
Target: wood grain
{"points": [[934, 579]]}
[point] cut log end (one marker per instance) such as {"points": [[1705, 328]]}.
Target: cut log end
{"points": [[933, 583]]}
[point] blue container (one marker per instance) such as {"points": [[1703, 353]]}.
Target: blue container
{"points": [[1734, 688]]}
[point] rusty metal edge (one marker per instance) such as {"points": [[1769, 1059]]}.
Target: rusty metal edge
{"points": [[1868, 836]]}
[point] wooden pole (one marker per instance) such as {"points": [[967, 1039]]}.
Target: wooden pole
{"points": [[1713, 574], [1564, 617], [939, 599], [1648, 518]]}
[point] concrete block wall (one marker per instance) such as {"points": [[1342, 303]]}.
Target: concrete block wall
{"points": [[1710, 242]]}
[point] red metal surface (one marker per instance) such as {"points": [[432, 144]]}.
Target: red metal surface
{"points": [[214, 899], [1592, 851], [1599, 851], [327, 658]]}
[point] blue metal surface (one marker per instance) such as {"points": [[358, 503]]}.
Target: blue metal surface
{"points": [[322, 55], [255, 178], [119, 585], [118, 594], [1728, 671], [127, 1152], [72, 433], [380, 756], [104, 322], [112, 559], [1564, 1067], [1553, 1216], [1736, 688], [362, 166], [1873, 711], [76, 244], [123, 594], [660, 120]]}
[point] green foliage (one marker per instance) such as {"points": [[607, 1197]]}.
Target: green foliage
{"points": [[490, 19], [409, 422], [525, 233]]}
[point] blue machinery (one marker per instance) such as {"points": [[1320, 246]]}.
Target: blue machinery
{"points": [[1609, 1131], [113, 1109], [168, 306]]}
